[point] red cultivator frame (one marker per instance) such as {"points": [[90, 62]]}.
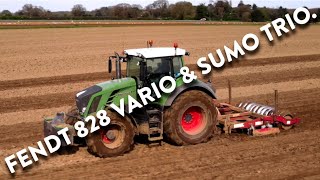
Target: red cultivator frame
{"points": [[257, 119]]}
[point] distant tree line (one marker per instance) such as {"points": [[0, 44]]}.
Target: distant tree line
{"points": [[219, 10]]}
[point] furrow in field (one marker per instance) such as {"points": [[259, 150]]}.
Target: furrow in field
{"points": [[259, 90], [99, 76], [44, 97], [28, 116], [31, 129], [37, 102], [294, 66], [45, 90], [219, 81], [258, 154], [42, 79], [253, 79], [28, 133], [55, 80]]}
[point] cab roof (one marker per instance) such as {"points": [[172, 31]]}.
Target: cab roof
{"points": [[155, 52]]}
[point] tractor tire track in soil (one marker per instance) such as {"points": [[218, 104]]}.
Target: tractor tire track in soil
{"points": [[36, 102], [34, 129], [43, 81], [265, 78], [238, 153], [67, 98], [223, 157], [57, 80]]}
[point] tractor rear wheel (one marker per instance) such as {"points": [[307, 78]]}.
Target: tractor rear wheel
{"points": [[115, 139], [191, 119]]}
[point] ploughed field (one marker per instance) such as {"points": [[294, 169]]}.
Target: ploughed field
{"points": [[42, 69]]}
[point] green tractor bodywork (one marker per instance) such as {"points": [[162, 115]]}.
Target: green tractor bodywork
{"points": [[141, 71], [109, 92]]}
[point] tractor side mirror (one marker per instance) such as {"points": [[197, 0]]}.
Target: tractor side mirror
{"points": [[109, 65], [143, 70]]}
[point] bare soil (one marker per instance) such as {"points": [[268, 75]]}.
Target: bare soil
{"points": [[42, 69], [30, 53]]}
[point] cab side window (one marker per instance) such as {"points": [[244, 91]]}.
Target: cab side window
{"points": [[177, 65]]}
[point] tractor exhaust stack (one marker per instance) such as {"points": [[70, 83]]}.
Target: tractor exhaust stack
{"points": [[118, 66]]}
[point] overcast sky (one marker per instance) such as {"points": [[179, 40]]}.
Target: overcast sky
{"points": [[65, 5]]}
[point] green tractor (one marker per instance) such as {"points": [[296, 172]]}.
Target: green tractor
{"points": [[184, 117]]}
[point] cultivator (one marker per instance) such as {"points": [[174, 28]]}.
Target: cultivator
{"points": [[256, 119]]}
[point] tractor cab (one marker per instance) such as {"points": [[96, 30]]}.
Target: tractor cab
{"points": [[149, 65]]}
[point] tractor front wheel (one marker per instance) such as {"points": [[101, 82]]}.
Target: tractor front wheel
{"points": [[191, 119], [115, 139]]}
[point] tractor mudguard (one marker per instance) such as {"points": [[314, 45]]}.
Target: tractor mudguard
{"points": [[196, 85], [53, 125]]}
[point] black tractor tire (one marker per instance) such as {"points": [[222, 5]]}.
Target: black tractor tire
{"points": [[124, 138], [71, 115], [177, 119]]}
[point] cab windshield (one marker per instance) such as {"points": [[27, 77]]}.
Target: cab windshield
{"points": [[133, 68], [168, 66]]}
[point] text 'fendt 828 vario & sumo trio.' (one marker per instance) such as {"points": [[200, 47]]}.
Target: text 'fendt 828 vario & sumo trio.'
{"points": [[189, 115]]}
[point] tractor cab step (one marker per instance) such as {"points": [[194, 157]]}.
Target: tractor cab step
{"points": [[154, 130], [155, 125]]}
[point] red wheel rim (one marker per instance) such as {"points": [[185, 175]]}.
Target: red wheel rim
{"points": [[193, 120], [112, 137], [105, 138]]}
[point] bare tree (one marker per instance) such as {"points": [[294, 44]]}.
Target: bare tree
{"points": [[160, 4], [27, 10], [105, 12], [38, 11], [158, 8], [183, 10], [244, 11], [78, 10], [30, 11], [126, 11], [137, 6], [219, 9]]}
